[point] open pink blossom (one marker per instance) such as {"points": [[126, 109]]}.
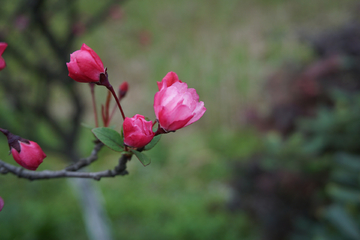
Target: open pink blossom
{"points": [[3, 46], [85, 65], [177, 106], [137, 131], [168, 80]]}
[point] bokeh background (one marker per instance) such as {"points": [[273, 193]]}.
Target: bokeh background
{"points": [[275, 156]]}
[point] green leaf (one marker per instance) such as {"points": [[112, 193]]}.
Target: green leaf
{"points": [[344, 194], [337, 215], [153, 142], [110, 138], [145, 160], [352, 162]]}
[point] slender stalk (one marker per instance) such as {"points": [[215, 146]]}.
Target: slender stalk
{"points": [[104, 81], [117, 101], [107, 106], [160, 130], [112, 113], [92, 86], [103, 115]]}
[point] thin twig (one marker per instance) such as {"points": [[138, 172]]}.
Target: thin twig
{"points": [[86, 161], [69, 172]]}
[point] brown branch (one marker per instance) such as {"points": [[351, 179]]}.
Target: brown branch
{"points": [[86, 161], [69, 172]]}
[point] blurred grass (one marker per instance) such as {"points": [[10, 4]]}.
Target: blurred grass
{"points": [[223, 49]]}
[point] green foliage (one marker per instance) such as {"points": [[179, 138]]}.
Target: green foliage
{"points": [[153, 142], [113, 140], [329, 142], [145, 160], [109, 138], [337, 128], [340, 218]]}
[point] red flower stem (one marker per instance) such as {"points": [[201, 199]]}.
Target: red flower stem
{"points": [[112, 113], [160, 130], [103, 115], [117, 101], [92, 85], [114, 108], [107, 106], [104, 81]]}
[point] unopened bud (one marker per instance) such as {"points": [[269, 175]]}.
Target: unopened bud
{"points": [[26, 153], [85, 66], [123, 90], [137, 131]]}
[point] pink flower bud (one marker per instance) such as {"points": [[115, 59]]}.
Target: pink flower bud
{"points": [[123, 88], [175, 105], [3, 46], [30, 155], [85, 65], [137, 131], [1, 204], [26, 153], [168, 80]]}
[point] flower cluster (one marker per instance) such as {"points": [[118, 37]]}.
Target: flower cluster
{"points": [[175, 105]]}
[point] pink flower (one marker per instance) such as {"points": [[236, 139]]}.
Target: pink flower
{"points": [[176, 106], [168, 80], [1, 204], [26, 153], [30, 155], [3, 46], [85, 65], [137, 131]]}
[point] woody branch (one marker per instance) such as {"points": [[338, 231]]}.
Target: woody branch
{"points": [[70, 171]]}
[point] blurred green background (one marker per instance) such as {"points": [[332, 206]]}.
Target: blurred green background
{"points": [[226, 50]]}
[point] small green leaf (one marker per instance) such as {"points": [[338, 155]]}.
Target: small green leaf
{"points": [[145, 160], [110, 138], [153, 142]]}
